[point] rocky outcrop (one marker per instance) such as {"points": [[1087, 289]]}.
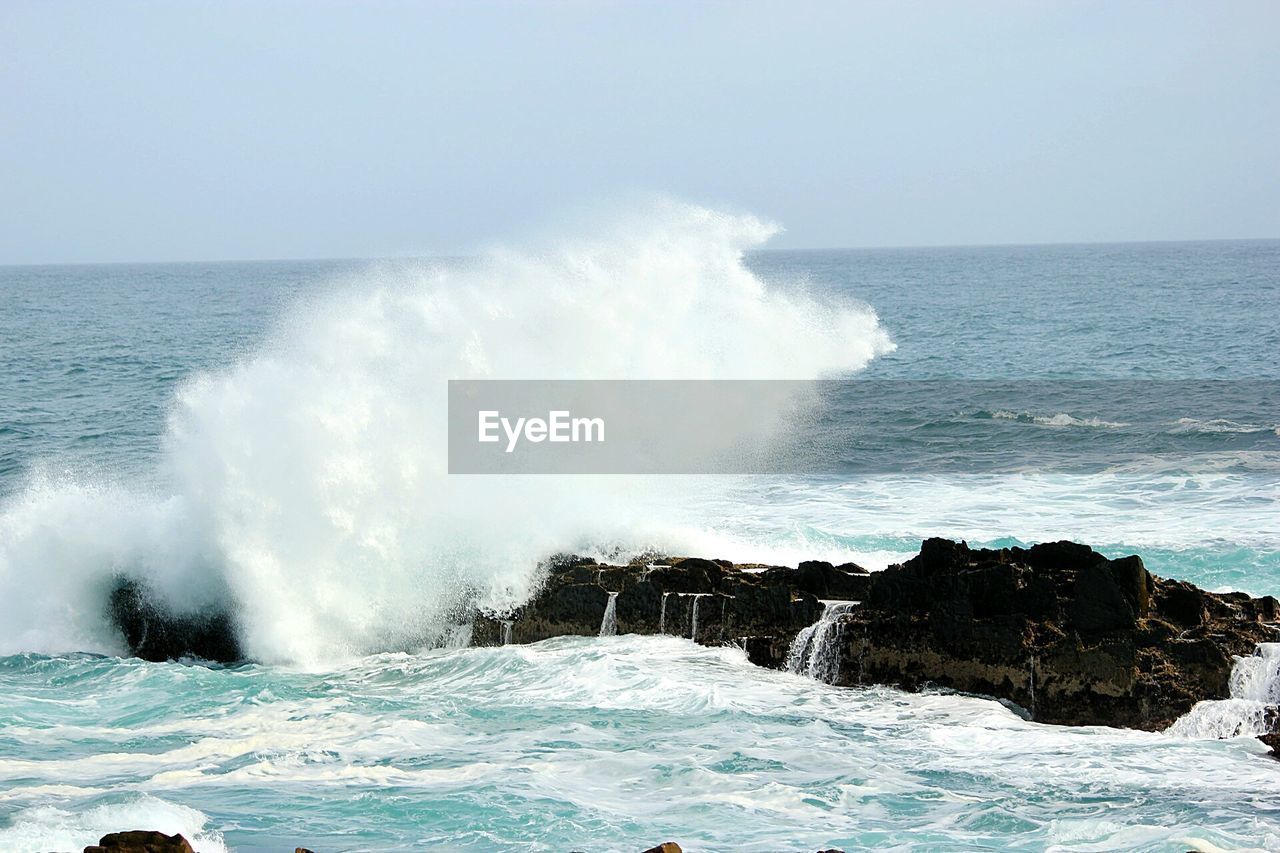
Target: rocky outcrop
{"points": [[1070, 636], [1058, 629]]}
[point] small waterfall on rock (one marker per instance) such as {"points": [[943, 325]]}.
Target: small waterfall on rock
{"points": [[693, 628], [815, 650], [1252, 708], [662, 615], [609, 624], [506, 631]]}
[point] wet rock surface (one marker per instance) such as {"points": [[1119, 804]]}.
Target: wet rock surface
{"points": [[1062, 631], [1058, 629]]}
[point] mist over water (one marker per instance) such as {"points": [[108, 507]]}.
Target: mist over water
{"points": [[306, 483]]}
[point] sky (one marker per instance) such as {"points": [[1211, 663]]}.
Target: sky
{"points": [[246, 130]]}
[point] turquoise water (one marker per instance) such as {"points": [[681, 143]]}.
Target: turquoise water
{"points": [[261, 435], [598, 744]]}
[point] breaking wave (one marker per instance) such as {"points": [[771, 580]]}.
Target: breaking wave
{"points": [[306, 485], [1220, 425]]}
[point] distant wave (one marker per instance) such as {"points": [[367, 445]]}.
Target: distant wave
{"points": [[1062, 419], [1220, 425]]}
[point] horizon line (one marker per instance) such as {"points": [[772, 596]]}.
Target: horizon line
{"points": [[447, 256]]}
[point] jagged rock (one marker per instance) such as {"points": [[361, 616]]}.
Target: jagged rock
{"points": [[848, 582], [156, 635], [665, 847], [1182, 604], [1272, 741], [140, 841], [1057, 628]]}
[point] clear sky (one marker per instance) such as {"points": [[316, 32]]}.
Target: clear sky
{"points": [[224, 130]]}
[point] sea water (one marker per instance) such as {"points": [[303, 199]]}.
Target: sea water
{"points": [[266, 436]]}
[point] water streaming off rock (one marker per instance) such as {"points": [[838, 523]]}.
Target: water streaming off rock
{"points": [[693, 619], [609, 624], [1252, 709], [816, 650]]}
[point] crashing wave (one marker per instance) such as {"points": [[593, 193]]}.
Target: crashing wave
{"points": [[306, 486]]}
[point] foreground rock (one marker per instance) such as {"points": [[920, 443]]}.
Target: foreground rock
{"points": [[1058, 629], [149, 841], [140, 841]]}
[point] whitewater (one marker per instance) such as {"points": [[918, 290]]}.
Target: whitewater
{"points": [[270, 438], [307, 484]]}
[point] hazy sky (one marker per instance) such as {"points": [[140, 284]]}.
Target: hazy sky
{"points": [[190, 130]]}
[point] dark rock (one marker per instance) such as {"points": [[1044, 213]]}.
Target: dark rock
{"points": [[665, 847], [1098, 603], [155, 634], [1272, 741], [848, 582], [1059, 629], [140, 841], [1071, 636], [1134, 581], [1182, 604]]}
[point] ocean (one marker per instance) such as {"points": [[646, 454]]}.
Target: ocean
{"points": [[267, 436]]}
